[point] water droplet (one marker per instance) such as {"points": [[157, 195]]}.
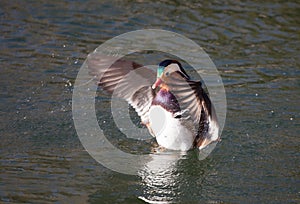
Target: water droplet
{"points": [[63, 108]]}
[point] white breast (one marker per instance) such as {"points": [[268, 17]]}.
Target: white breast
{"points": [[169, 131]]}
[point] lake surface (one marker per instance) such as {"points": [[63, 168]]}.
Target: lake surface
{"points": [[255, 46]]}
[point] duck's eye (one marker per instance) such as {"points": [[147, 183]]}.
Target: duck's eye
{"points": [[167, 73]]}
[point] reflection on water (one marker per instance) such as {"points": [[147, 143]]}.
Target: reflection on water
{"points": [[170, 177], [160, 177], [255, 46], [181, 177]]}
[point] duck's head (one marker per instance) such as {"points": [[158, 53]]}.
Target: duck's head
{"points": [[165, 69]]}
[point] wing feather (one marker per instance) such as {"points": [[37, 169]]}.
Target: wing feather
{"points": [[124, 79], [193, 98]]}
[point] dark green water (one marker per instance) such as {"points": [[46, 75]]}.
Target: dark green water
{"points": [[255, 46]]}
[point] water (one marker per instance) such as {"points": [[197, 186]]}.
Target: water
{"points": [[255, 46]]}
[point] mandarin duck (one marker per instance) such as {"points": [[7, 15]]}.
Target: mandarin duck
{"points": [[175, 109]]}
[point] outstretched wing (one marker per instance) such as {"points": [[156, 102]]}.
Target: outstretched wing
{"points": [[124, 79], [193, 98]]}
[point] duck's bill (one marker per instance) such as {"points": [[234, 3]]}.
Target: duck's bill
{"points": [[157, 83]]}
